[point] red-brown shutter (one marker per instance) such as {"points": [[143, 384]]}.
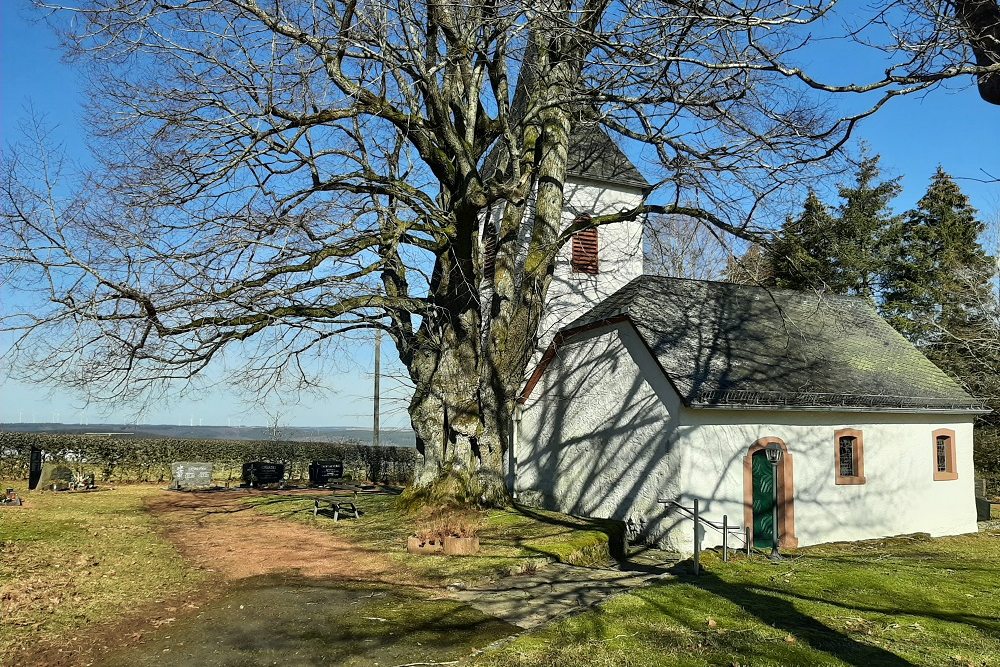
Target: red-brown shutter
{"points": [[585, 251], [489, 250]]}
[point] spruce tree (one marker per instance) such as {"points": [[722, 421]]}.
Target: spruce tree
{"points": [[939, 286], [802, 252], [863, 225]]}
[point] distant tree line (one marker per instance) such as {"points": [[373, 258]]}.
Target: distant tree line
{"points": [[926, 270], [125, 459]]}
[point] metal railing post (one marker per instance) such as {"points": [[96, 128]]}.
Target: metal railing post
{"points": [[746, 539], [697, 542], [725, 538]]}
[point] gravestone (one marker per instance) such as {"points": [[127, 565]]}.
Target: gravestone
{"points": [[55, 477], [979, 484], [190, 475], [260, 473], [984, 509], [34, 467], [323, 472]]}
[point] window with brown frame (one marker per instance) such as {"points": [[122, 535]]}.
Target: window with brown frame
{"points": [[849, 454], [585, 251], [944, 455]]}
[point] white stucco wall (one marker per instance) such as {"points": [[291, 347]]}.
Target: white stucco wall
{"points": [[899, 495], [619, 254], [603, 434], [594, 436]]}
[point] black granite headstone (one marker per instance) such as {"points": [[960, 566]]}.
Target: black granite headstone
{"points": [[322, 472], [258, 473], [34, 467]]}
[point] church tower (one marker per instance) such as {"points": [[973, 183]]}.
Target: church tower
{"points": [[599, 261]]}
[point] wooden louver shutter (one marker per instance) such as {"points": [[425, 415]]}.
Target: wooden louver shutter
{"points": [[489, 250], [585, 251]]}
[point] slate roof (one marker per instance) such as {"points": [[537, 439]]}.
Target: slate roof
{"points": [[724, 345], [592, 155], [596, 156]]}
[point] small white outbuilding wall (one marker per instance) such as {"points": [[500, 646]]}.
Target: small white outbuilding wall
{"points": [[602, 433]]}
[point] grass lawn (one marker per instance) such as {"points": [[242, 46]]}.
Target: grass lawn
{"points": [[512, 541], [888, 602], [72, 560]]}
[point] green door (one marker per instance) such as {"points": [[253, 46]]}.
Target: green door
{"points": [[763, 501]]}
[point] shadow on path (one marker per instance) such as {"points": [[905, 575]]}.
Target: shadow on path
{"points": [[298, 623]]}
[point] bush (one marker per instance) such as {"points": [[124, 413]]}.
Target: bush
{"points": [[131, 459]]}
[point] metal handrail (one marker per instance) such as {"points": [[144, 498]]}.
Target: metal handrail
{"points": [[690, 511], [725, 529]]}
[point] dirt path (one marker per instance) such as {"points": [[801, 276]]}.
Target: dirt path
{"points": [[217, 532], [292, 594]]}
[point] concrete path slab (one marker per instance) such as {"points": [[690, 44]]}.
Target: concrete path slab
{"points": [[558, 589]]}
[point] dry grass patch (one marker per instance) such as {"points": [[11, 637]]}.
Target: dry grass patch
{"points": [[73, 561]]}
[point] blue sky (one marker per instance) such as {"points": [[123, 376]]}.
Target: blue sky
{"points": [[951, 127]]}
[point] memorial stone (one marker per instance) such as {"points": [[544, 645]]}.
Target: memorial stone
{"points": [[55, 477], [190, 475], [34, 467], [260, 473], [323, 472]]}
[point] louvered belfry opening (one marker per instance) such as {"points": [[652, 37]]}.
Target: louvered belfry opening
{"points": [[489, 250], [585, 250]]}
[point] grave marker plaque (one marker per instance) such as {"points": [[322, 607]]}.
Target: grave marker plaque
{"points": [[322, 472], [34, 467], [190, 475], [258, 473]]}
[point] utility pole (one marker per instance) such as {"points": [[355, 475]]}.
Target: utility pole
{"points": [[378, 363]]}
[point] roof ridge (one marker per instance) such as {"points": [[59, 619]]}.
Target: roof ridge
{"points": [[749, 286]]}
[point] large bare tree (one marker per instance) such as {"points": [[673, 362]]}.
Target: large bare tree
{"points": [[277, 174]]}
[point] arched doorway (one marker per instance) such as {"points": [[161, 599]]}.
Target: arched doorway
{"points": [[759, 481]]}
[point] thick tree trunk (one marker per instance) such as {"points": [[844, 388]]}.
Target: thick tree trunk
{"points": [[981, 19], [467, 373]]}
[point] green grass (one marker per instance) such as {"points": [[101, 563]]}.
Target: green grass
{"points": [[72, 560], [512, 541], [887, 602]]}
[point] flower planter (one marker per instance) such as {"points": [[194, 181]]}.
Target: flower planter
{"points": [[461, 546], [415, 545]]}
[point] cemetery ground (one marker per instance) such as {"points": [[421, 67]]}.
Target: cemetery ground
{"points": [[138, 575]]}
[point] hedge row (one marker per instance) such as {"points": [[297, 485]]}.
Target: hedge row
{"points": [[127, 459]]}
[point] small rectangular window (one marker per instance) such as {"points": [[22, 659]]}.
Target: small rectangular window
{"points": [[849, 456], [945, 467]]}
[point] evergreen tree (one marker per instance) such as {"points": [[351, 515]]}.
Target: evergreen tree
{"points": [[863, 225], [802, 252], [938, 283]]}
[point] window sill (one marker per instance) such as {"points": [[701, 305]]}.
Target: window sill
{"points": [[850, 481], [945, 476]]}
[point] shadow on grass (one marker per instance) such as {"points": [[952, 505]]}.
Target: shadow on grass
{"points": [[778, 612], [615, 530]]}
